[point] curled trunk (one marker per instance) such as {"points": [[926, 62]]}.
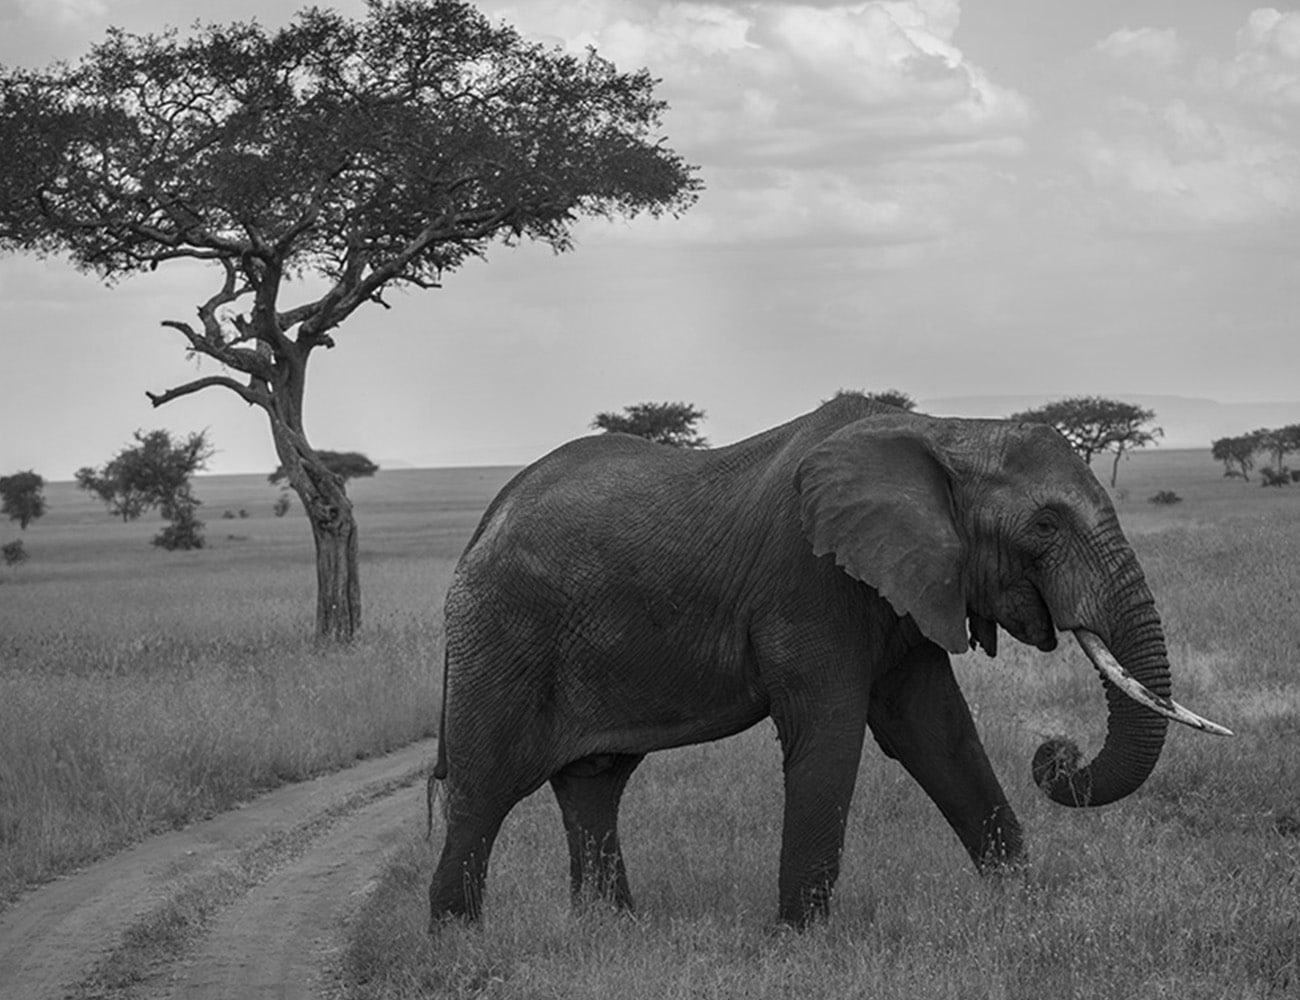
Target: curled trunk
{"points": [[1135, 734]]}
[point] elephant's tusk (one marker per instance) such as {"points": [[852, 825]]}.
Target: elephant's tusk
{"points": [[1110, 668]]}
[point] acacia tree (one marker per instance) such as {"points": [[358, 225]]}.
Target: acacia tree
{"points": [[1237, 451], [892, 397], [344, 464], [666, 423], [359, 155], [1094, 424], [1277, 442]]}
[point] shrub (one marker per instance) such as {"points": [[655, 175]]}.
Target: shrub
{"points": [[184, 532], [1165, 497], [1271, 477], [14, 553], [281, 505], [227, 515]]}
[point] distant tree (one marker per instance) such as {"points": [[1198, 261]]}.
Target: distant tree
{"points": [[1094, 424], [361, 155], [1236, 453], [155, 472], [185, 530], [14, 553], [666, 423], [893, 397], [1278, 442], [22, 497], [344, 464], [116, 486], [281, 505]]}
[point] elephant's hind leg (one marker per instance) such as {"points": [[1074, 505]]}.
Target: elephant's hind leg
{"points": [[458, 881], [589, 791]]}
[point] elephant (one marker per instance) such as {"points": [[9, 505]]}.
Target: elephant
{"points": [[621, 596]]}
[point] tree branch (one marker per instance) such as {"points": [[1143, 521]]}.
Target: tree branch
{"points": [[354, 287], [248, 394]]}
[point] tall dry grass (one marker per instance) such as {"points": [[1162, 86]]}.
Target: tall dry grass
{"points": [[1190, 888], [141, 689]]}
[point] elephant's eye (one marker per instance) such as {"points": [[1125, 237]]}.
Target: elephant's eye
{"points": [[1046, 524]]}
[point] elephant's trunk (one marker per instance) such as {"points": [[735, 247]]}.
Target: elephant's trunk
{"points": [[1135, 674]]}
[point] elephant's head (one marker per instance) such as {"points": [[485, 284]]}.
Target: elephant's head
{"points": [[969, 524]]}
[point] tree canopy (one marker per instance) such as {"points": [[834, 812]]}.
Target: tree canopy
{"points": [[344, 464], [22, 497], [358, 156], [1094, 424], [892, 397], [1236, 453], [666, 423], [154, 472], [1277, 442]]}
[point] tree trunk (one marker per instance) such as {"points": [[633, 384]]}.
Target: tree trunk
{"points": [[338, 584], [333, 527]]}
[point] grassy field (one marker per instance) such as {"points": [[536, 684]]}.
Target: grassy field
{"points": [[141, 689]]}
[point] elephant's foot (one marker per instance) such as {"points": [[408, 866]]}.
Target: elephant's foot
{"points": [[808, 902], [598, 875], [1002, 844]]}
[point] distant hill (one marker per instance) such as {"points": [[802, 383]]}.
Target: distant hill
{"points": [[1188, 423]]}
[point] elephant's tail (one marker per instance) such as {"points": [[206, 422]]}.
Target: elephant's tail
{"points": [[432, 793], [433, 787]]}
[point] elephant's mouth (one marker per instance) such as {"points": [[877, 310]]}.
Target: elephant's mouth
{"points": [[1027, 618]]}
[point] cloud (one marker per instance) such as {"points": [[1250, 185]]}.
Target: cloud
{"points": [[1148, 48], [1185, 140], [64, 13], [813, 123], [1265, 70]]}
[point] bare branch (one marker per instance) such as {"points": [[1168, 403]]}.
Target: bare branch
{"points": [[249, 394]]}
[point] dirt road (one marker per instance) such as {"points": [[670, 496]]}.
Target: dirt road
{"points": [[248, 905]]}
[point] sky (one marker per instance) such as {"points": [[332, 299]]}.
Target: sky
{"points": [[949, 197]]}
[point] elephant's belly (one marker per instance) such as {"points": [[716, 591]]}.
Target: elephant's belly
{"points": [[632, 706]]}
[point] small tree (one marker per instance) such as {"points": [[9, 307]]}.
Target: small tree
{"points": [[366, 155], [892, 397], [185, 530], [666, 423], [155, 472], [344, 464], [1278, 442], [14, 553], [22, 497], [1093, 424], [1236, 451]]}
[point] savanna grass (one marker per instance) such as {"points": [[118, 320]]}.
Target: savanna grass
{"points": [[1190, 888], [141, 690]]}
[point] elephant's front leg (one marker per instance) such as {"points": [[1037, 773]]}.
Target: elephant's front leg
{"points": [[918, 715], [821, 737]]}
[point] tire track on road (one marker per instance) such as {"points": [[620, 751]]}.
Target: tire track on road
{"points": [[60, 940]]}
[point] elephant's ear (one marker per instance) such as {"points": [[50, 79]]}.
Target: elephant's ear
{"points": [[876, 497]]}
